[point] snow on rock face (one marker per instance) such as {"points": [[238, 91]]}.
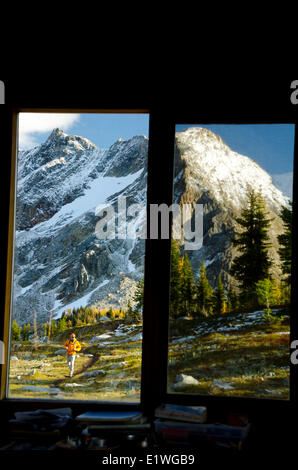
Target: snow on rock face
{"points": [[213, 166], [208, 172], [59, 261], [52, 175]]}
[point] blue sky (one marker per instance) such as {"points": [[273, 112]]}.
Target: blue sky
{"points": [[270, 145], [102, 129]]}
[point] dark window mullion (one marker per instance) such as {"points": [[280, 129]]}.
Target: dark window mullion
{"points": [[157, 264]]}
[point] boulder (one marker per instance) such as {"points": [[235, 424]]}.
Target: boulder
{"points": [[100, 337], [94, 373], [222, 385], [183, 380], [73, 385]]}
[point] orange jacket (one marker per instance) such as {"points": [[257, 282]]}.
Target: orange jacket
{"points": [[72, 347]]}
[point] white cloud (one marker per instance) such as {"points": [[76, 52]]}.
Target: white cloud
{"points": [[32, 124]]}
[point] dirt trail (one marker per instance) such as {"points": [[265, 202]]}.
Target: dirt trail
{"points": [[85, 367]]}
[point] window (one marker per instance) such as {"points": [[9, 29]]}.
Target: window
{"points": [[78, 256], [230, 284], [162, 351]]}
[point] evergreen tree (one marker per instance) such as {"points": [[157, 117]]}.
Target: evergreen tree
{"points": [[204, 293], [109, 313], [253, 263], [25, 332], [277, 291], [35, 332], [285, 294], [187, 286], [285, 242], [53, 328], [175, 280], [132, 315], [139, 295], [62, 324], [219, 297], [265, 292], [45, 328], [15, 331]]}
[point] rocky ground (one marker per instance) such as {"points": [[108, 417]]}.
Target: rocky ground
{"points": [[241, 355], [107, 368]]}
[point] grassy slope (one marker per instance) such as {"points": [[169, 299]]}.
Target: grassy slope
{"points": [[118, 381], [253, 358]]}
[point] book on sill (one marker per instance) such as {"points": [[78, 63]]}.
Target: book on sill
{"points": [[193, 414], [94, 429], [42, 415], [111, 417], [182, 430]]}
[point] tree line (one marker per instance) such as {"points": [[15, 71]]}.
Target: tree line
{"points": [[80, 316], [191, 295], [251, 269]]}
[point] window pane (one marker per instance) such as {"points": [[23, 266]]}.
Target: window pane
{"points": [[229, 327], [79, 256]]}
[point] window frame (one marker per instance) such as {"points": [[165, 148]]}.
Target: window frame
{"points": [[253, 405], [12, 140], [157, 269]]}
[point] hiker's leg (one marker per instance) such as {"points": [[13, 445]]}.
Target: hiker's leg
{"points": [[68, 359], [72, 365]]}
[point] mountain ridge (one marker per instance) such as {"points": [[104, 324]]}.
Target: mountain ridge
{"points": [[59, 262]]}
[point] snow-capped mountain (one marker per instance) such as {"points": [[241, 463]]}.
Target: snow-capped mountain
{"points": [[208, 172], [59, 261]]}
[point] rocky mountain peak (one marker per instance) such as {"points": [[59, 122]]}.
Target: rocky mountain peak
{"points": [[60, 263], [209, 172], [59, 140], [210, 165], [125, 157], [56, 133]]}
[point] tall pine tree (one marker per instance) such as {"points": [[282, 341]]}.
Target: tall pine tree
{"points": [[187, 286], [139, 295], [285, 242], [253, 263], [175, 280], [204, 293], [16, 331], [232, 301], [219, 297]]}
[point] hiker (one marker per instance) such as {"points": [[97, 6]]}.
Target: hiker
{"points": [[73, 346]]}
